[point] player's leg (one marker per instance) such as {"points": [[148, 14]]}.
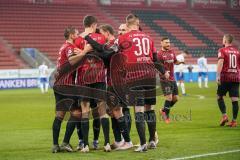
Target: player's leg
{"points": [[104, 118], [140, 125], [221, 92], [46, 85], [205, 80], [85, 106], [165, 111], [80, 135], [234, 94], [41, 85], [150, 117], [96, 123], [167, 91], [121, 122], [182, 85], [178, 78], [59, 116], [116, 132], [175, 96], [111, 97], [127, 115], [200, 80], [75, 116]]}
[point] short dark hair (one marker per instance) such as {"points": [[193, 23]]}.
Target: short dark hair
{"points": [[69, 30], [132, 19], [164, 38], [89, 20], [229, 38], [107, 28], [186, 51]]}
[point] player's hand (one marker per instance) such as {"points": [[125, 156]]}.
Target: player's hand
{"points": [[88, 48], [167, 75], [77, 51]]}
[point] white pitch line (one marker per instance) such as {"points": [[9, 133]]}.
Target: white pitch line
{"points": [[205, 155]]}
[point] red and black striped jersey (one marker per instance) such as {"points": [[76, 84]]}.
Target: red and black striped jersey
{"points": [[92, 69], [65, 52], [138, 49], [168, 58], [231, 64]]}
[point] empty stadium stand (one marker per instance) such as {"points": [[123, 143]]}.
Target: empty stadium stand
{"points": [[8, 59], [41, 26], [226, 20]]}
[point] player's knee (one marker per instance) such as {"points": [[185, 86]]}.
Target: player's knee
{"points": [[139, 109], [219, 98], [149, 107], [234, 99], [169, 98], [60, 114], [76, 113], [117, 113]]}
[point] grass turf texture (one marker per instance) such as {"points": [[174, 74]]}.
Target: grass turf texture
{"points": [[26, 119]]}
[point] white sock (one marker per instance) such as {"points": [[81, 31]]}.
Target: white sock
{"points": [[41, 87], [200, 82], [46, 87], [182, 87], [206, 82]]}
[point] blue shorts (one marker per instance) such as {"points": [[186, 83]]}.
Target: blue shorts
{"points": [[43, 80], [179, 77], [202, 74]]}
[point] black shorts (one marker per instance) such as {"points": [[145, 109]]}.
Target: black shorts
{"points": [[93, 98], [231, 87], [66, 103], [113, 98], [146, 97], [169, 87]]}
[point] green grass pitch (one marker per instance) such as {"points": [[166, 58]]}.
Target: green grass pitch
{"points": [[26, 118]]}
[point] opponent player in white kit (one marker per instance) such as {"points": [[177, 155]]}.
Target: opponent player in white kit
{"points": [[202, 71], [43, 77], [179, 71]]}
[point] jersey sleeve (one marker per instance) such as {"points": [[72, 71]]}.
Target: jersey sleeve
{"points": [[220, 54], [174, 57], [79, 43]]}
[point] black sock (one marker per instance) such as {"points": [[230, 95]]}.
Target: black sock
{"points": [[116, 130], [85, 130], [222, 105], [105, 127], [96, 128], [56, 129], [69, 129], [123, 129], [79, 131], [140, 125], [172, 103], [150, 117], [235, 108], [166, 107], [127, 115]]}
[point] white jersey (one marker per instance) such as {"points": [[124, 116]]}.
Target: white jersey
{"points": [[202, 64], [43, 71], [180, 67]]}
